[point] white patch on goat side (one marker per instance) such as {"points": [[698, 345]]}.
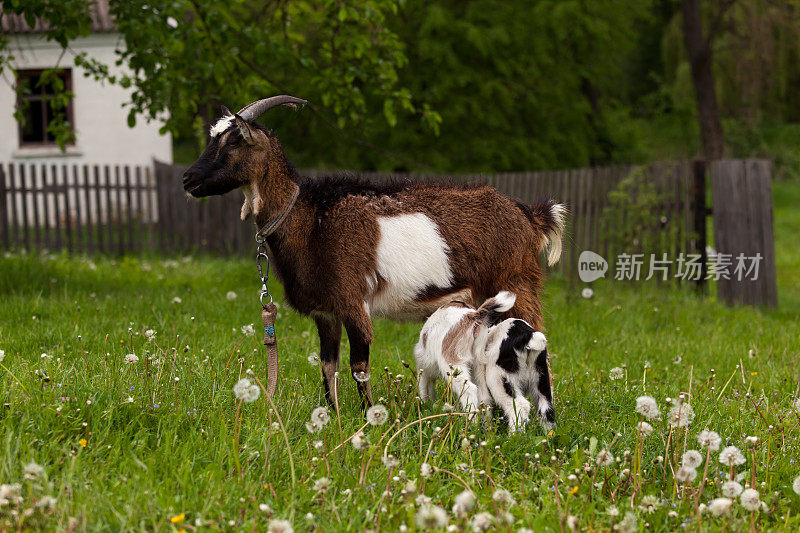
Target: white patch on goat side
{"points": [[411, 256], [222, 124]]}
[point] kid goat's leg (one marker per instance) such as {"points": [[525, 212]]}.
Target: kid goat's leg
{"points": [[359, 332], [527, 308], [543, 394], [330, 336], [514, 405]]}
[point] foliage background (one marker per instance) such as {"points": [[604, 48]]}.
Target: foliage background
{"points": [[457, 85]]}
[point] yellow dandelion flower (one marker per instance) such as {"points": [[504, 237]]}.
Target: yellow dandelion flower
{"points": [[753, 373], [83, 443], [574, 491], [551, 433], [178, 518]]}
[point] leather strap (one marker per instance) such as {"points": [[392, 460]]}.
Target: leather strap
{"points": [[268, 314], [270, 228]]}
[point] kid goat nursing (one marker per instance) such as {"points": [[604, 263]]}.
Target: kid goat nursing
{"points": [[486, 360], [346, 250]]}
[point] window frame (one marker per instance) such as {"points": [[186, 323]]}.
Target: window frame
{"points": [[39, 99]]}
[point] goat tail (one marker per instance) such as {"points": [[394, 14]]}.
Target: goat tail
{"points": [[489, 312], [550, 218]]}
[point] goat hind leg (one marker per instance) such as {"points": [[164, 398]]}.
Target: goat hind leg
{"points": [[543, 394]]}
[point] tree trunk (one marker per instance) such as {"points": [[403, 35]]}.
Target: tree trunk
{"points": [[698, 49]]}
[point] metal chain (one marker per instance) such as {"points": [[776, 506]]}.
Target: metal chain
{"points": [[263, 273]]}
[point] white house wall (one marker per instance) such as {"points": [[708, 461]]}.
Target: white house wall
{"points": [[100, 120]]}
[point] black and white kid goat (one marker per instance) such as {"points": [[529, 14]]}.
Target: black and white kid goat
{"points": [[486, 360]]}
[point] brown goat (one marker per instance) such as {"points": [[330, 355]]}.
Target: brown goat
{"points": [[349, 250]]}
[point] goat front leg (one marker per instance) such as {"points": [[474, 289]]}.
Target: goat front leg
{"points": [[330, 336], [359, 333]]}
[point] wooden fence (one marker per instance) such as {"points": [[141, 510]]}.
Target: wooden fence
{"points": [[659, 207], [743, 228]]}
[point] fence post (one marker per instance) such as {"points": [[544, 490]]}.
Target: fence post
{"points": [[700, 213], [4, 240]]}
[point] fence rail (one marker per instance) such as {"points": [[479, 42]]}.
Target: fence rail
{"points": [[633, 209]]}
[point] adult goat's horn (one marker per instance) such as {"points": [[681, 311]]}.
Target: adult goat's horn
{"points": [[259, 107]]}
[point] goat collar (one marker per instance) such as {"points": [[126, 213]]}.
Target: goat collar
{"points": [[270, 228]]}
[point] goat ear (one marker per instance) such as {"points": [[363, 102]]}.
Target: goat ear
{"points": [[226, 112], [244, 129]]}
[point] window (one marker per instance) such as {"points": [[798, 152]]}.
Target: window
{"points": [[36, 90]]}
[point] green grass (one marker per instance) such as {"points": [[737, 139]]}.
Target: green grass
{"points": [[157, 448]]}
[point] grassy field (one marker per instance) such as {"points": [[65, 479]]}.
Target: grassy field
{"points": [[159, 442]]}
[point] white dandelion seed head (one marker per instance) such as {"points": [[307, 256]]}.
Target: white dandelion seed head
{"points": [[629, 524], [377, 415], [11, 494], [731, 489], [644, 429], [46, 502], [605, 458], [466, 500], [131, 359], [503, 497], [360, 441], [750, 500], [422, 501], [720, 506], [482, 522], [692, 459], [265, 508], [751, 440], [33, 471], [313, 359], [572, 520], [313, 427], [685, 474], [431, 517], [647, 407], [612, 511], [246, 391], [410, 487], [177, 300], [616, 373], [390, 461], [709, 439], [425, 470], [731, 456], [587, 293], [680, 415], [323, 484], [280, 526], [230, 295], [649, 504], [796, 485], [797, 405], [150, 334], [321, 416], [2, 355], [248, 330]]}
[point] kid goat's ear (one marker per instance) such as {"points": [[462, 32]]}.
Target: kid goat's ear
{"points": [[244, 129]]}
